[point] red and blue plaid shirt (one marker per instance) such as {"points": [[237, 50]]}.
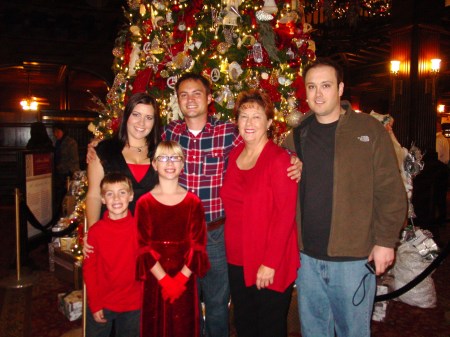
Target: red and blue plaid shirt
{"points": [[206, 160]]}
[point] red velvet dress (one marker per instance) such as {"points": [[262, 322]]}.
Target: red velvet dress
{"points": [[174, 236]]}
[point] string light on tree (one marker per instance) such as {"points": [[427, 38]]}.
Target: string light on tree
{"points": [[237, 44]]}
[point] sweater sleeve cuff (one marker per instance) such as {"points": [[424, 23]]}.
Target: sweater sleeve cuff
{"points": [[145, 261]]}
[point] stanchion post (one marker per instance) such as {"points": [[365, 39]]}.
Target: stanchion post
{"points": [[85, 230], [17, 200], [18, 289]]}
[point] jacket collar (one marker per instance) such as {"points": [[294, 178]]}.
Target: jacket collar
{"points": [[344, 115]]}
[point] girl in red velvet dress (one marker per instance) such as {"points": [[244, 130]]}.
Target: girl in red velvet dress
{"points": [[172, 250]]}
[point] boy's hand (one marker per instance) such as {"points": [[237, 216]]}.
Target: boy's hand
{"points": [[295, 171], [91, 155], [87, 248], [99, 317]]}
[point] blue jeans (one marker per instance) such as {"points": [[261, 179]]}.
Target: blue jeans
{"points": [[327, 294], [214, 288], [127, 324]]}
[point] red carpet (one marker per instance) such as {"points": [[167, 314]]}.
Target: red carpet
{"points": [[47, 321]]}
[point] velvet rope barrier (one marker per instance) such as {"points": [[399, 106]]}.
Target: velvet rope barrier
{"points": [[36, 224], [419, 278]]}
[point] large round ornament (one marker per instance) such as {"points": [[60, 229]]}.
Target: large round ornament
{"points": [[293, 119]]}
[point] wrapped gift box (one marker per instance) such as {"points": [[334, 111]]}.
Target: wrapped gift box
{"points": [[67, 242], [380, 308], [67, 267], [71, 304]]}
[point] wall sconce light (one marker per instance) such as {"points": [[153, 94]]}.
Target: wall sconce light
{"points": [[29, 103], [435, 66], [430, 83], [395, 67], [397, 84], [441, 108]]}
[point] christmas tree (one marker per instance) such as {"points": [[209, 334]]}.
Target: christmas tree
{"points": [[236, 44]]}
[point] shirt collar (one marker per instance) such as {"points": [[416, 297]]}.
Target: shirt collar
{"points": [[207, 128]]}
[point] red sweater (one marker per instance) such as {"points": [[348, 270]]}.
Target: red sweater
{"points": [[109, 272], [268, 229]]}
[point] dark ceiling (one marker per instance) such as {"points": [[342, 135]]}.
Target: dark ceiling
{"points": [[56, 51], [68, 44]]}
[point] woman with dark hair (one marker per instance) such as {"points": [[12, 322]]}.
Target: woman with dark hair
{"points": [[39, 139], [128, 152], [260, 230]]}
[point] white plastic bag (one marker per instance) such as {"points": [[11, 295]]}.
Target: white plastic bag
{"points": [[409, 263]]}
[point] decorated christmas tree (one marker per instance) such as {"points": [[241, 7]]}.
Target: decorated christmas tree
{"points": [[236, 44]]}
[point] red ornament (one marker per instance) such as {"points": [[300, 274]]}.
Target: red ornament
{"points": [[207, 72], [80, 232], [311, 54], [278, 128], [126, 52], [284, 36], [148, 26], [212, 109], [115, 123], [140, 83], [271, 90], [294, 63], [300, 89]]}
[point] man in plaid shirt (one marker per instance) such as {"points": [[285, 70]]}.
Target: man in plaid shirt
{"points": [[207, 143]]}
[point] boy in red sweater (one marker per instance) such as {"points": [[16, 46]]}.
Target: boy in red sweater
{"points": [[109, 271]]}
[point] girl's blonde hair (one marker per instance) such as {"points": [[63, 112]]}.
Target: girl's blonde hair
{"points": [[169, 146]]}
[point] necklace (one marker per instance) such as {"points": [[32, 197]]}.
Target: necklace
{"points": [[138, 148]]}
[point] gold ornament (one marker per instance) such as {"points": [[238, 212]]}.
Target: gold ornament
{"points": [[164, 73], [293, 119], [135, 30], [252, 80], [182, 61], [155, 48], [134, 4], [223, 47], [274, 77], [117, 52], [142, 9]]}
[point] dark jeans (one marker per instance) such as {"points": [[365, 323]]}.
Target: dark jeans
{"points": [[126, 324], [258, 313], [214, 288]]}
